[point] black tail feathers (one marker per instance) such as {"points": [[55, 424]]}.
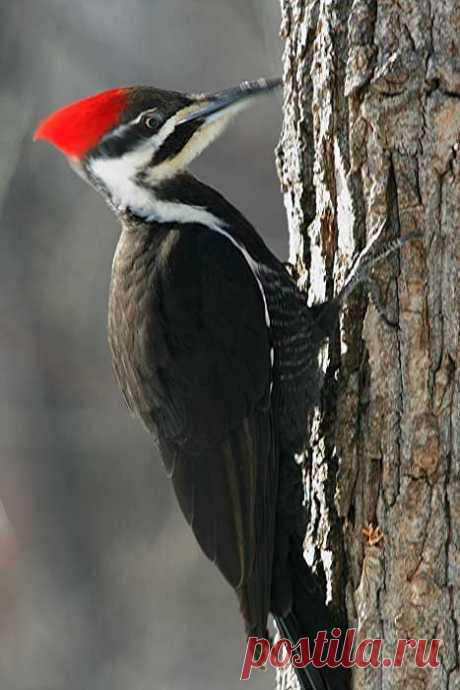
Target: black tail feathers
{"points": [[309, 615]]}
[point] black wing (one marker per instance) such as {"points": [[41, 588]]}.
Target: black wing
{"points": [[210, 374]]}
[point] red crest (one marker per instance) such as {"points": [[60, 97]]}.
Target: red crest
{"points": [[78, 127]]}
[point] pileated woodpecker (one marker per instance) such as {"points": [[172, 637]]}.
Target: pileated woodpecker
{"points": [[214, 346]]}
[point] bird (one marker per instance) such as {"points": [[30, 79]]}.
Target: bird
{"points": [[214, 346]]}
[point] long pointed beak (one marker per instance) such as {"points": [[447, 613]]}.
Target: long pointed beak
{"points": [[235, 98]]}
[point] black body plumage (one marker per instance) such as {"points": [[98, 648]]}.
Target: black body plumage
{"points": [[225, 394]]}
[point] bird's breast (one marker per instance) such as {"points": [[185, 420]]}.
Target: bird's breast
{"points": [[135, 270]]}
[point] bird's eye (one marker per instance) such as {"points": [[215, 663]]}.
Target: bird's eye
{"points": [[151, 120]]}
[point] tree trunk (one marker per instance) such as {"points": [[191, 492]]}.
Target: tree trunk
{"points": [[371, 131]]}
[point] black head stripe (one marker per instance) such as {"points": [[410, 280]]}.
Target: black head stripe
{"points": [[176, 141], [116, 145]]}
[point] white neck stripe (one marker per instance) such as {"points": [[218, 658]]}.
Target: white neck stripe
{"points": [[126, 194], [173, 211]]}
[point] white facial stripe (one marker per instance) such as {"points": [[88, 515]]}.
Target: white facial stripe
{"points": [[215, 125], [152, 142], [195, 145], [118, 175], [145, 113], [168, 128]]}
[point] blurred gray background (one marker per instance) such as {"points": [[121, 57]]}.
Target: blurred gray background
{"points": [[101, 583]]}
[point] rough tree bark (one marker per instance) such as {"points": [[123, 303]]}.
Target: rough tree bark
{"points": [[371, 132]]}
